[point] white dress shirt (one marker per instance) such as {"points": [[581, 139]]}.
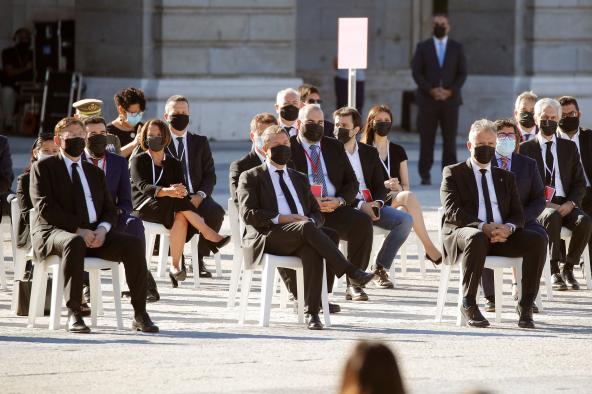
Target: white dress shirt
{"points": [[559, 191], [283, 206], [185, 157], [576, 139], [90, 206], [306, 146], [532, 133], [292, 129], [102, 163], [354, 159], [497, 216]]}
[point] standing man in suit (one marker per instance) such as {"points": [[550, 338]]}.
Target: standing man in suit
{"points": [[524, 114], [329, 171], [439, 70], [116, 172], [530, 189], [193, 151], [372, 193], [483, 216], [282, 217], [287, 105], [76, 219], [570, 129], [559, 165]]}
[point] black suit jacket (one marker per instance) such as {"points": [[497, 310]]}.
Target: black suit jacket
{"points": [[373, 172], [52, 194], [250, 160], [586, 147], [258, 206], [25, 205], [339, 169], [570, 168], [428, 74], [460, 198], [201, 163]]}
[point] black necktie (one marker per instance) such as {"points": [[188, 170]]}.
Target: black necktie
{"points": [[287, 194], [79, 199], [550, 162], [485, 189], [181, 157], [287, 130]]}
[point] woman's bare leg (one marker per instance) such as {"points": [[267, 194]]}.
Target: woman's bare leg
{"points": [[201, 226], [177, 237], [407, 200]]}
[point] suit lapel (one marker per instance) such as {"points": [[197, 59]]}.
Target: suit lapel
{"points": [[90, 176], [586, 147], [499, 186], [471, 183], [563, 169], [299, 191], [298, 157], [538, 157], [268, 185]]}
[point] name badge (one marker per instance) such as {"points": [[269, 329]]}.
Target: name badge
{"points": [[549, 193], [317, 190]]}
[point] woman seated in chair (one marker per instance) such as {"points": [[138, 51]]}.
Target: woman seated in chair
{"points": [[160, 196], [43, 148], [394, 163]]}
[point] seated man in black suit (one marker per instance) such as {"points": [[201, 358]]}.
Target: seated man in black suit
{"points": [[283, 218], [193, 151], [75, 219], [310, 94], [331, 175], [483, 216], [559, 165], [530, 189]]}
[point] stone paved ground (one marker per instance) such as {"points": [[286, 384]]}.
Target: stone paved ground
{"points": [[202, 349]]}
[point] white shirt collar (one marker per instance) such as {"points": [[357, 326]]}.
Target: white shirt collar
{"points": [[273, 168], [355, 152], [476, 168], [543, 141], [68, 161], [443, 40], [566, 136], [177, 136], [90, 156], [522, 131]]}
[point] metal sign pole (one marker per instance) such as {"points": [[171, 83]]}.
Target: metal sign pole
{"points": [[351, 88]]}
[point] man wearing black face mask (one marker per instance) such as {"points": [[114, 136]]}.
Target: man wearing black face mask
{"points": [[193, 151], [483, 216], [75, 219], [283, 218], [287, 105], [117, 175], [439, 70], [559, 164], [524, 114]]}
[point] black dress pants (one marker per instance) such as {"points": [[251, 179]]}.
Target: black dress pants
{"points": [[213, 215]]}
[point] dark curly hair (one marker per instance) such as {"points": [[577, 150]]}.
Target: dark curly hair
{"points": [[130, 96]]}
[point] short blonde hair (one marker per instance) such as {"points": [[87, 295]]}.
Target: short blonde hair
{"points": [[482, 125], [64, 123], [263, 118], [543, 103], [270, 132]]}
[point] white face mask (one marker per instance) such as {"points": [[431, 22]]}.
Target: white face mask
{"points": [[43, 156], [258, 142]]}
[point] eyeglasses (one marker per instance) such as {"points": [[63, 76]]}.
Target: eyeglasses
{"points": [[313, 101], [506, 137], [573, 114]]}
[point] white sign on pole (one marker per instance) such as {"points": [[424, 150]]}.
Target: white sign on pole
{"points": [[352, 45]]}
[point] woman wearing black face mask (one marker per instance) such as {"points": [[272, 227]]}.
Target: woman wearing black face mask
{"points": [[396, 174], [159, 196]]}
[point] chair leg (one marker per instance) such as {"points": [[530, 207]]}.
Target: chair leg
{"points": [[237, 262], [498, 283], [547, 275], [539, 302], [2, 268], [195, 262], [300, 291], [403, 254], [163, 256], [100, 311], [95, 282], [150, 241], [39, 277], [218, 259], [460, 318], [442, 291], [267, 286], [244, 295], [19, 271], [421, 257], [57, 297], [283, 293], [117, 296], [325, 298], [587, 273]]}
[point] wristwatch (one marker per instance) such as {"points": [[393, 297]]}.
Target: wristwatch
{"points": [[341, 201], [202, 194]]}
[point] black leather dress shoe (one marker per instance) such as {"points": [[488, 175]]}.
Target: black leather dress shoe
{"points": [[355, 293], [570, 280], [474, 317], [535, 308], [333, 308], [558, 283], [144, 324], [490, 306], [85, 310], [76, 324], [203, 272], [313, 322], [525, 317], [360, 278], [152, 296]]}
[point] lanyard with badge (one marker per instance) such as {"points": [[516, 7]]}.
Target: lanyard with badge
{"points": [[154, 180], [387, 166], [550, 190]]}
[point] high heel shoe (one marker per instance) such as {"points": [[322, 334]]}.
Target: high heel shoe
{"points": [[216, 246], [436, 262], [179, 276]]}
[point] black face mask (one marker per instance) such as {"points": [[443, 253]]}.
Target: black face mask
{"points": [[281, 154], [439, 31], [548, 127], [179, 121], [155, 143], [569, 124], [343, 135], [74, 146], [289, 112], [526, 119], [97, 144], [23, 45], [382, 128], [313, 132], [484, 153]]}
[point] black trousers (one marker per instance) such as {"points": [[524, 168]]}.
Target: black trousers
{"points": [[578, 222], [213, 215], [312, 245], [121, 247], [587, 207], [487, 275], [341, 93], [428, 119], [475, 247]]}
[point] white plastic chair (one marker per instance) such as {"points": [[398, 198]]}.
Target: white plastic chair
{"points": [[237, 258], [154, 229], [5, 227], [20, 254], [566, 236]]}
